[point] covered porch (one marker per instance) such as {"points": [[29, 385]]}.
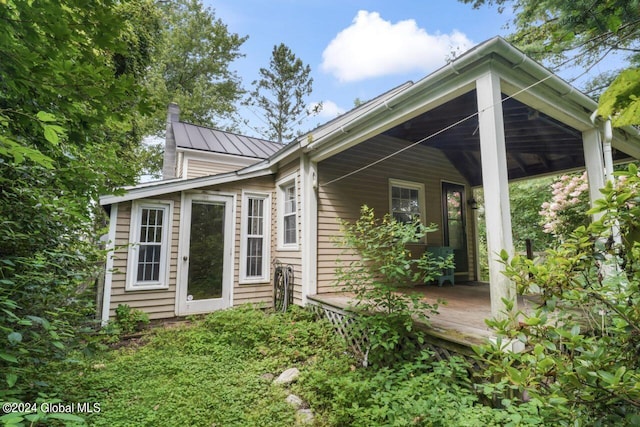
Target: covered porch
{"points": [[460, 322]]}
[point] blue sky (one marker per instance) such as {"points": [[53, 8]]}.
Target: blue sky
{"points": [[356, 49]]}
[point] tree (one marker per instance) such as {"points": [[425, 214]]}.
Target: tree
{"points": [[582, 33], [280, 92], [69, 93], [191, 67]]}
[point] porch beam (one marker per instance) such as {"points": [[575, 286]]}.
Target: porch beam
{"points": [[594, 162], [495, 183]]}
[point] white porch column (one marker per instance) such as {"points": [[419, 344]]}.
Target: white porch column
{"points": [[496, 188], [309, 220], [594, 162]]}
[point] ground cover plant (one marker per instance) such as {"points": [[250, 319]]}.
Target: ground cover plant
{"points": [[215, 371]]}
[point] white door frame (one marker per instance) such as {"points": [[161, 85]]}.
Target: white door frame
{"points": [[183, 305]]}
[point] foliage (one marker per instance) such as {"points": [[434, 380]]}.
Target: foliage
{"points": [[212, 371], [621, 100], [68, 92], [130, 320], [568, 207], [582, 342], [191, 67], [420, 392], [280, 92], [581, 33], [382, 267]]}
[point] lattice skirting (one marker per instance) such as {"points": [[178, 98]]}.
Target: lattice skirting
{"points": [[344, 324]]}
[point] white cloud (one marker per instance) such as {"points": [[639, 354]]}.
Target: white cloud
{"points": [[330, 110], [373, 47]]}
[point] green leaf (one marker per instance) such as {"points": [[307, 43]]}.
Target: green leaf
{"points": [[8, 357], [14, 338], [43, 116], [11, 379], [51, 135]]}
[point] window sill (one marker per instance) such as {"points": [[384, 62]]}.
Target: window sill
{"points": [[137, 288]]}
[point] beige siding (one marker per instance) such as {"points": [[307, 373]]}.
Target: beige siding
{"points": [[343, 198], [158, 303], [197, 168], [290, 257]]}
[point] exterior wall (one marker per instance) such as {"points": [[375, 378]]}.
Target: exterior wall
{"points": [[289, 257], [157, 303], [194, 165], [343, 198], [161, 303]]}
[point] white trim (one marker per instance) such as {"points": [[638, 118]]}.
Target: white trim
{"points": [[266, 235], [309, 214], [182, 306], [159, 188], [414, 186], [281, 184], [495, 183], [165, 245], [108, 273]]}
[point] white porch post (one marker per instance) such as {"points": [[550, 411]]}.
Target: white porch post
{"points": [[594, 162], [309, 220], [496, 188]]}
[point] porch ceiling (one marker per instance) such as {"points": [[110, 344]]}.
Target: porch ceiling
{"points": [[536, 143]]}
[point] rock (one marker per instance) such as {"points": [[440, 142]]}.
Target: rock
{"points": [[304, 417], [294, 401], [267, 377], [288, 376]]}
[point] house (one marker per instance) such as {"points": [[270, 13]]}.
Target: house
{"points": [[205, 237]]}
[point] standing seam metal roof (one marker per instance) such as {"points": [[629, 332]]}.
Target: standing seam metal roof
{"points": [[217, 141]]}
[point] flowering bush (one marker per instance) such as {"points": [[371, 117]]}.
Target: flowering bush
{"points": [[568, 207]]}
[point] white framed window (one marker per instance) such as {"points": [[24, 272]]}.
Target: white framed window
{"points": [[255, 237], [406, 200], [287, 214], [147, 264]]}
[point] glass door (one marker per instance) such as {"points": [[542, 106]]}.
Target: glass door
{"points": [[205, 271], [454, 224]]}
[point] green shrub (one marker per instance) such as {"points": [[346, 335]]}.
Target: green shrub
{"points": [[130, 320], [380, 275], [582, 343]]}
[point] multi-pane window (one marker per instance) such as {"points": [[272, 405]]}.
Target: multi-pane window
{"points": [[255, 238], [406, 202], [289, 228], [150, 225], [150, 249]]}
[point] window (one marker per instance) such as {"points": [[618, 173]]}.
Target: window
{"points": [[287, 215], [148, 254], [406, 200], [255, 238]]}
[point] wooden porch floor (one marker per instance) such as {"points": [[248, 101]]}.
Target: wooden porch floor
{"points": [[460, 320]]}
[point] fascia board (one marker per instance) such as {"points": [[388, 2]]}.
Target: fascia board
{"points": [[180, 185]]}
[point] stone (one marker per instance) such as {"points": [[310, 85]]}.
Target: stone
{"points": [[288, 376], [294, 401], [267, 377], [304, 417]]}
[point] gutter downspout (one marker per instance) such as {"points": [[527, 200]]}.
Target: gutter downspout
{"points": [[108, 274]]}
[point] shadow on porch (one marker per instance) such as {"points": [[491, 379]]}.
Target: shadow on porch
{"points": [[459, 322]]}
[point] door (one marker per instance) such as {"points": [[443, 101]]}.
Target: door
{"points": [[205, 272], [454, 224]]}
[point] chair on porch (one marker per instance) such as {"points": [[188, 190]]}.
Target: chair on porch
{"points": [[443, 252]]}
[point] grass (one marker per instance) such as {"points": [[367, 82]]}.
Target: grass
{"points": [[211, 372], [218, 370]]}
